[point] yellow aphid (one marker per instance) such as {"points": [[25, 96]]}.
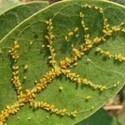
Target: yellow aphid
{"points": [[16, 46], [86, 28], [89, 46], [66, 38], [103, 88], [47, 37], [79, 80], [13, 52], [60, 88], [115, 85], [24, 77], [98, 49], [29, 118], [67, 59], [107, 53], [15, 67], [123, 30], [47, 22], [43, 46], [86, 5], [96, 7], [87, 98], [70, 33], [15, 42], [73, 114], [92, 107], [75, 64], [62, 112], [89, 6], [83, 24], [31, 43], [26, 67], [107, 32], [81, 14], [97, 40], [51, 36], [101, 10], [76, 29]]}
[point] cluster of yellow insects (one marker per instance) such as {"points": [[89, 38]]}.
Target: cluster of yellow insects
{"points": [[63, 68]]}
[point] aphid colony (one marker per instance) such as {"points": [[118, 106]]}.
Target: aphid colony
{"points": [[77, 54], [13, 51], [15, 79], [74, 77], [52, 109], [50, 38], [119, 57], [68, 61], [15, 69], [83, 48], [47, 78], [107, 30], [12, 109]]}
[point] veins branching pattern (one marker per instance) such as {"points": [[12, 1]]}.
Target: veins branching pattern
{"points": [[62, 69]]}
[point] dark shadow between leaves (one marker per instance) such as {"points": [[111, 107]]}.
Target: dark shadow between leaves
{"points": [[101, 117]]}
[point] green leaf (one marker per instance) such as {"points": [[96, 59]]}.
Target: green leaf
{"points": [[13, 17], [63, 63], [7, 4], [101, 117]]}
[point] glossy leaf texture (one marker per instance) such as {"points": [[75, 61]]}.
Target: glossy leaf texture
{"points": [[7, 4], [14, 16], [63, 63]]}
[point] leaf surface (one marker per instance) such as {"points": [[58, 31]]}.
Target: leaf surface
{"points": [[6, 4], [14, 16], [65, 62]]}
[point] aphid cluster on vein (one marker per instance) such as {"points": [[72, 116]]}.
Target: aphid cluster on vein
{"points": [[73, 113], [97, 40], [66, 62], [107, 30], [76, 78], [9, 110], [88, 98], [50, 38], [47, 78], [15, 79], [48, 107], [15, 69], [52, 109], [13, 51], [29, 95], [120, 57]]}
